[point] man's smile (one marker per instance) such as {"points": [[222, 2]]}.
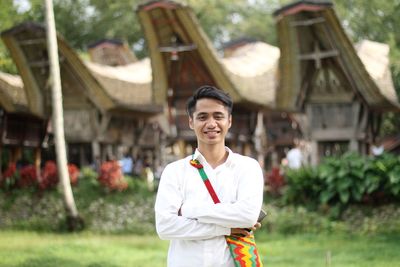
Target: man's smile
{"points": [[212, 133]]}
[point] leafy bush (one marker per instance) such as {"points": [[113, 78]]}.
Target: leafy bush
{"points": [[49, 177], [275, 182], [27, 176], [9, 177], [130, 211], [302, 187], [111, 176], [365, 220], [73, 173], [344, 180], [355, 219]]}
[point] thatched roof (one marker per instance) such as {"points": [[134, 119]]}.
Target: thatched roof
{"points": [[129, 85], [167, 21], [310, 34], [81, 89], [375, 57], [253, 69], [12, 95], [112, 52]]}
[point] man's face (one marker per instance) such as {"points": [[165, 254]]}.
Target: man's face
{"points": [[211, 121]]}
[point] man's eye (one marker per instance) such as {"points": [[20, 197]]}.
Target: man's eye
{"points": [[219, 117], [202, 118]]}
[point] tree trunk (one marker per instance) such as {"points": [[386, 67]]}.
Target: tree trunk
{"points": [[74, 222], [1, 161]]}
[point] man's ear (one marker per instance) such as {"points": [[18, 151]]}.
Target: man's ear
{"points": [[230, 121], [191, 123]]}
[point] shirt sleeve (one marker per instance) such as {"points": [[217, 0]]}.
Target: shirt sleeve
{"points": [[244, 211], [171, 226]]}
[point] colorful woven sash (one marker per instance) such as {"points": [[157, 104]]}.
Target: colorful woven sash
{"points": [[243, 249]]}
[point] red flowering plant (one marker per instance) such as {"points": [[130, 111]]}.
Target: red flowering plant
{"points": [[111, 176], [28, 176], [9, 176], [49, 177], [73, 173], [275, 181]]}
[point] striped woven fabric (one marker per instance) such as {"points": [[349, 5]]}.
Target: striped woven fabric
{"points": [[244, 251]]}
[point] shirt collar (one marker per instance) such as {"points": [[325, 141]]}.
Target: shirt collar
{"points": [[229, 161]]}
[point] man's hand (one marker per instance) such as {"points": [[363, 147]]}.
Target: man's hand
{"points": [[240, 232], [256, 226], [244, 232]]}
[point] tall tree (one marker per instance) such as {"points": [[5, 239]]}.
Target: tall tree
{"points": [[226, 20], [73, 219], [117, 19]]}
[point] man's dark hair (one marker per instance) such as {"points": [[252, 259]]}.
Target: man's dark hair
{"points": [[208, 91]]}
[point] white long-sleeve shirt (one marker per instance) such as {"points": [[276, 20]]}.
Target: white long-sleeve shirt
{"points": [[197, 238]]}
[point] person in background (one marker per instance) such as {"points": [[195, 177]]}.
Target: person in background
{"points": [[126, 165], [377, 148], [295, 156]]}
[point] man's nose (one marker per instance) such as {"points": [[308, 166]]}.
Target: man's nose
{"points": [[211, 123]]}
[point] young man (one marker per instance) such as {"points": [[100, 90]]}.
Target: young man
{"points": [[185, 212]]}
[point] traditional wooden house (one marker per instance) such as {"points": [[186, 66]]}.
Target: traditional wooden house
{"points": [[183, 59], [255, 64], [103, 112], [18, 127], [112, 52], [341, 89], [131, 84]]}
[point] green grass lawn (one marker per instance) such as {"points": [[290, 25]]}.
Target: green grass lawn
{"points": [[27, 249]]}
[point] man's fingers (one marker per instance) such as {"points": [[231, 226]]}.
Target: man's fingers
{"points": [[239, 232], [257, 225]]}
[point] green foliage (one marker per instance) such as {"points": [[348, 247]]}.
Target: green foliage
{"points": [[104, 211], [9, 16], [304, 180], [365, 220], [132, 211], [227, 20], [343, 180], [297, 219]]}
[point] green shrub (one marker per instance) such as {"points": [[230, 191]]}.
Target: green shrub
{"points": [[355, 219], [366, 220], [302, 187], [340, 181], [297, 219], [103, 211]]}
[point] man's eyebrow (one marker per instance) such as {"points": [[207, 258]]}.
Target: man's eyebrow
{"points": [[214, 113]]}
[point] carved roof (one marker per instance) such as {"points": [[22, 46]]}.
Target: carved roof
{"points": [[253, 69], [12, 95], [312, 39], [129, 84], [81, 87], [175, 38]]}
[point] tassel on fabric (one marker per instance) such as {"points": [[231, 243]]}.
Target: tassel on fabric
{"points": [[195, 163]]}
